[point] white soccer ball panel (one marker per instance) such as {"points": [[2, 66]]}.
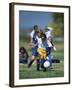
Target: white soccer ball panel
{"points": [[46, 64]]}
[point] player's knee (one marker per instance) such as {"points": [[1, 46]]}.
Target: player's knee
{"points": [[33, 57]]}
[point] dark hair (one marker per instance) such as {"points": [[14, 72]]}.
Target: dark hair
{"points": [[43, 35], [24, 50], [35, 26]]}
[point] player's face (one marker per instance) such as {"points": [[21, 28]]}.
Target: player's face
{"points": [[22, 51], [39, 34], [46, 30], [36, 28]]}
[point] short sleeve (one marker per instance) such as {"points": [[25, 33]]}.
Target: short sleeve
{"points": [[32, 34]]}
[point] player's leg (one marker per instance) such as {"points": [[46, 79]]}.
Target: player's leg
{"points": [[50, 60], [42, 65], [42, 55], [42, 61], [38, 64], [30, 63], [32, 58]]}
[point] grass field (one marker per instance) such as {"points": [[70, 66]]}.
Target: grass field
{"points": [[58, 68], [26, 73]]}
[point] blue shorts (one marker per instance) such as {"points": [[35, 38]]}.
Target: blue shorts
{"points": [[42, 61], [34, 51]]}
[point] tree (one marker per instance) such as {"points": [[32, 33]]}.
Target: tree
{"points": [[58, 18], [58, 24], [57, 32]]}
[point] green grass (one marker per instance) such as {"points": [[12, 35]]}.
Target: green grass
{"points": [[26, 73], [58, 68]]}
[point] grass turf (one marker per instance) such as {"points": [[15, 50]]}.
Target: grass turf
{"points": [[26, 73], [57, 71]]}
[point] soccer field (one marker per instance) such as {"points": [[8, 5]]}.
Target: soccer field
{"points": [[56, 71], [58, 68], [26, 73]]}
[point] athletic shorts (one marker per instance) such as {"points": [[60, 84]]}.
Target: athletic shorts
{"points": [[48, 50], [34, 51], [42, 53]]}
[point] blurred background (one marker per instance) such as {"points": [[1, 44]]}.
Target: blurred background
{"points": [[27, 19]]}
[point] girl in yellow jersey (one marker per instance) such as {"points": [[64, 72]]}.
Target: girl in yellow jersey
{"points": [[42, 45]]}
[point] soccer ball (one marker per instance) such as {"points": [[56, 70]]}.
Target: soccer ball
{"points": [[46, 64]]}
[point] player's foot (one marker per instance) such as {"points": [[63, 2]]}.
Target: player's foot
{"points": [[44, 70], [50, 67], [38, 69], [42, 66]]}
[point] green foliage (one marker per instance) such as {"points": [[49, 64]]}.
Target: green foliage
{"points": [[24, 37], [58, 18], [58, 24], [57, 32]]}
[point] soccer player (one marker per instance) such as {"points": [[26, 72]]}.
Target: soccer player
{"points": [[48, 33], [34, 45], [42, 45]]}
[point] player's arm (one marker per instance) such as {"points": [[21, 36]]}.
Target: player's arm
{"points": [[54, 48], [31, 38]]}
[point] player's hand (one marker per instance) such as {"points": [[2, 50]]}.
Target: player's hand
{"points": [[31, 45], [54, 48]]}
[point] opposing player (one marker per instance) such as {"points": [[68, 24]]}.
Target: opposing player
{"points": [[42, 44], [48, 33]]}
